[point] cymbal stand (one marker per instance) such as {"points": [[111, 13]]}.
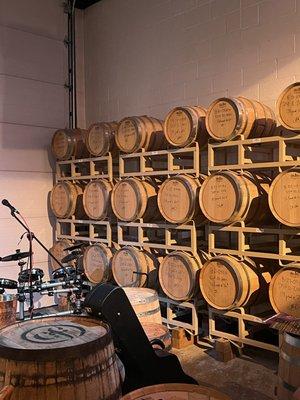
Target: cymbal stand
{"points": [[30, 236]]}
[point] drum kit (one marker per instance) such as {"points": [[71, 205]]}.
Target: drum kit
{"points": [[67, 279]]}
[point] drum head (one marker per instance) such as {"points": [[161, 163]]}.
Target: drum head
{"points": [[61, 273], [8, 284], [36, 274]]}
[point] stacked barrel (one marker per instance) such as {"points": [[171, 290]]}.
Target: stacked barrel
{"points": [[235, 196], [84, 200], [253, 199]]}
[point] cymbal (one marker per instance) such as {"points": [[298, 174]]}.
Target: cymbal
{"points": [[16, 256], [71, 257], [75, 246]]}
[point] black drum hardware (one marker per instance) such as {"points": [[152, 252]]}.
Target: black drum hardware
{"points": [[65, 279], [144, 365]]}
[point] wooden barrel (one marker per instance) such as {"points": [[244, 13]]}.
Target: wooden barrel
{"points": [[289, 367], [96, 263], [158, 331], [100, 138], [6, 392], [145, 303], [178, 275], [174, 391], [136, 133], [227, 118], [229, 196], [284, 290], [284, 197], [227, 282], [96, 199], [66, 200], [8, 309], [288, 107], [59, 251], [178, 199], [59, 358], [186, 125], [63, 302], [134, 198], [133, 267], [67, 143]]}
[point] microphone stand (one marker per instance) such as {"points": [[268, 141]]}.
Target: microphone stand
{"points": [[30, 237]]}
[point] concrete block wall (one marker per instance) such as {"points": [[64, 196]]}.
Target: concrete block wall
{"points": [[145, 57], [33, 104]]}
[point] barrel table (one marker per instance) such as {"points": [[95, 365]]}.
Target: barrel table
{"points": [[59, 358], [186, 125], [175, 391]]}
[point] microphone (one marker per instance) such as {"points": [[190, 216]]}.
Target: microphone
{"points": [[6, 203]]}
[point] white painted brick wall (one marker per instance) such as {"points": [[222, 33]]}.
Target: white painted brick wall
{"points": [[145, 57], [33, 103]]}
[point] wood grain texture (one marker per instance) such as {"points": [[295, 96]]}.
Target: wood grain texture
{"points": [[145, 303], [284, 290], [227, 282], [135, 133], [228, 117], [85, 369], [178, 275], [100, 138], [185, 125], [289, 367], [97, 199], [97, 263], [66, 199], [284, 197], [227, 196], [288, 107], [178, 199], [172, 391], [133, 267], [134, 198]]}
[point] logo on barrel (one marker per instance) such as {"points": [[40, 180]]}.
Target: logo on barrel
{"points": [[53, 333]]}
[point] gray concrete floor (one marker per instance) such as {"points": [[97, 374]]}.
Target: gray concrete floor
{"points": [[251, 376]]}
